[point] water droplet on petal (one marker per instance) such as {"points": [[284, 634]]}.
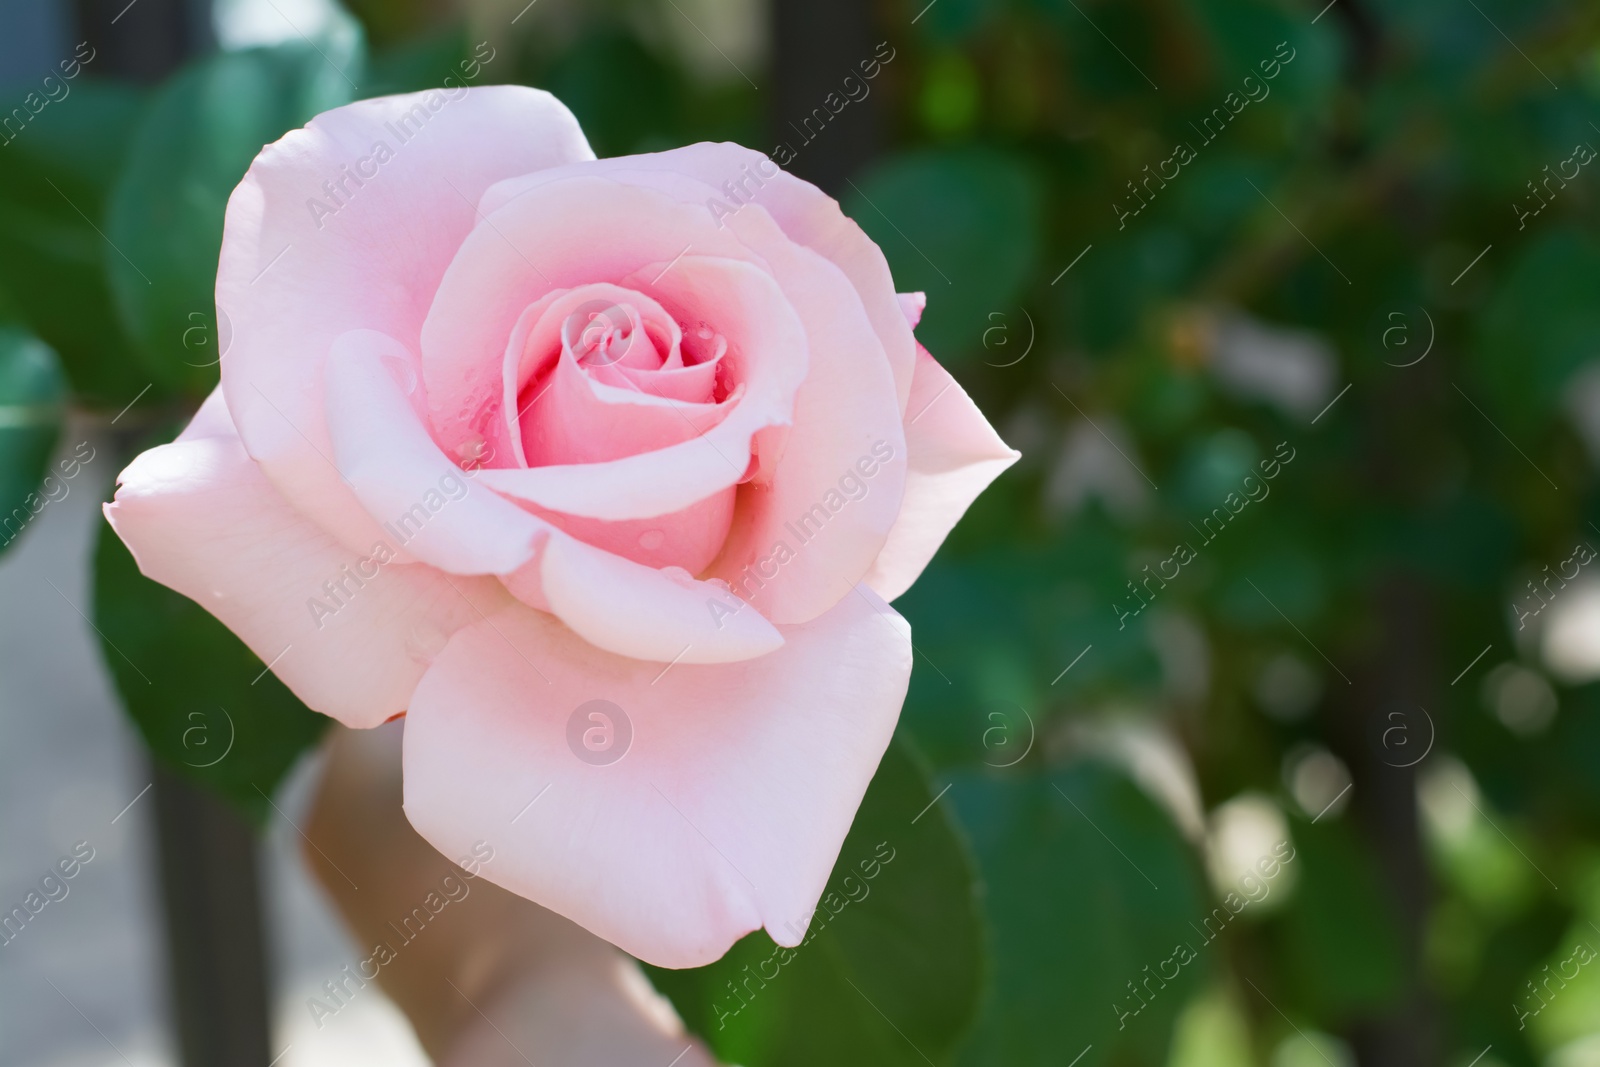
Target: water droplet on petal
{"points": [[471, 451], [678, 574]]}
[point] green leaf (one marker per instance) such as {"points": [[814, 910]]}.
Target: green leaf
{"points": [[962, 226], [957, 19], [1340, 941], [421, 64], [54, 184], [203, 701], [1002, 641], [32, 396], [890, 969], [1087, 884], [625, 98], [1525, 359], [1109, 73], [1247, 34], [193, 146]]}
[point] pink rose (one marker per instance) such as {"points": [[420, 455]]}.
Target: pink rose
{"points": [[601, 471]]}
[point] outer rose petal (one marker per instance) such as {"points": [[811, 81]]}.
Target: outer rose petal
{"points": [[201, 518], [845, 408], [639, 611], [912, 305], [954, 455], [725, 814], [293, 277]]}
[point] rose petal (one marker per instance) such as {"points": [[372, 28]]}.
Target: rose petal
{"points": [[722, 177], [443, 517], [814, 501], [201, 518], [687, 539], [579, 231], [537, 341], [300, 267], [575, 418], [846, 406], [638, 611], [767, 357], [954, 455], [727, 811], [912, 305], [851, 402], [426, 504]]}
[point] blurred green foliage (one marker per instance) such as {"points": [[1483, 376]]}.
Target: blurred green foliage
{"points": [[1164, 243], [195, 141], [33, 394], [53, 263]]}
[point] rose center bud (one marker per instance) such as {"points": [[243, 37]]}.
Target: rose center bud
{"points": [[603, 334], [607, 373]]}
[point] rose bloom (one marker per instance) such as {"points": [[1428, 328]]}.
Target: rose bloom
{"points": [[600, 471]]}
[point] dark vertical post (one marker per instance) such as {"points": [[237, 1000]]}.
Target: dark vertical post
{"points": [[210, 881], [1393, 682], [1397, 680], [815, 45], [143, 41], [216, 952]]}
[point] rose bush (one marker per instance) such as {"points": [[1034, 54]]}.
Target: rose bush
{"points": [[504, 430]]}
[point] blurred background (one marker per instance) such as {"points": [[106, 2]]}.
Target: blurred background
{"points": [[1256, 706]]}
